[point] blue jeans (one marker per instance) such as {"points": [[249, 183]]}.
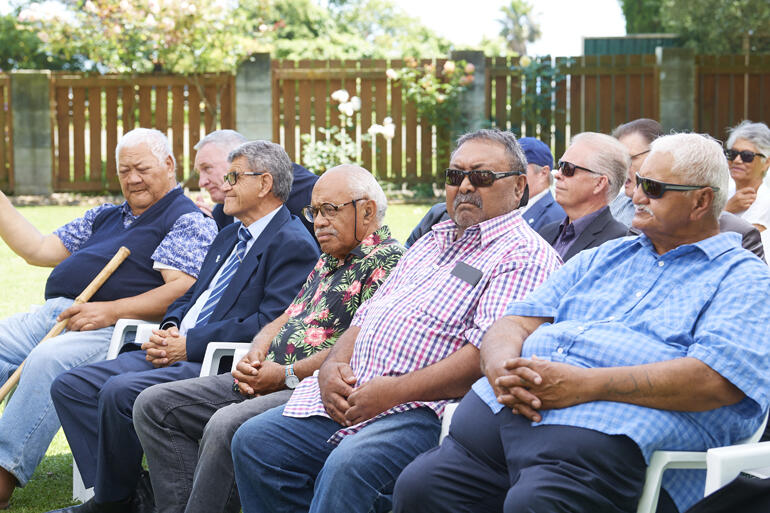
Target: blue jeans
{"points": [[285, 464], [29, 421]]}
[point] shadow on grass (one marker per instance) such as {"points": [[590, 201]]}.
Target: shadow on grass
{"points": [[50, 487]]}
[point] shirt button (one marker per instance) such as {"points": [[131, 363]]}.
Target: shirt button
{"points": [[560, 350], [612, 317], [639, 294], [660, 264]]}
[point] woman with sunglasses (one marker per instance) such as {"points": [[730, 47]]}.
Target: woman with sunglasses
{"points": [[747, 154]]}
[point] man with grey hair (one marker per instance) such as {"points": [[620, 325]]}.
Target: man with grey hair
{"points": [[381, 391], [211, 165], [584, 380], [590, 174], [168, 238], [251, 273], [193, 421]]}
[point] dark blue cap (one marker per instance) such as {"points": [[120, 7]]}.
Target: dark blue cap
{"points": [[537, 151]]}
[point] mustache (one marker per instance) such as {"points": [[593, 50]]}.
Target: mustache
{"points": [[643, 208], [473, 199], [326, 231]]}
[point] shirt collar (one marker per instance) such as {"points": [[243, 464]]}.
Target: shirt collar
{"points": [[257, 227], [128, 215], [365, 247], [579, 225], [712, 247]]}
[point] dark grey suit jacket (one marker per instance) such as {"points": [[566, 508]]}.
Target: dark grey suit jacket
{"points": [[602, 229]]}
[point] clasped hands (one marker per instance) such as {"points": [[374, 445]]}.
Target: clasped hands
{"points": [[256, 376], [165, 347], [527, 385], [349, 406]]}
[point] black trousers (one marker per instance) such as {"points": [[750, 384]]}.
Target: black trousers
{"points": [[500, 462]]}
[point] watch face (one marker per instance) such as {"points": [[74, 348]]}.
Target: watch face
{"points": [[292, 381]]}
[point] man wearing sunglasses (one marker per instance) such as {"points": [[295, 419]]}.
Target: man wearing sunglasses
{"points": [[589, 176], [381, 391], [252, 271], [644, 343]]}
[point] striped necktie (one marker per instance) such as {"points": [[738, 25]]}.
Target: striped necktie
{"points": [[231, 266]]}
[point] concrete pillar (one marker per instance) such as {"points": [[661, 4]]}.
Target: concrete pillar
{"points": [[254, 99], [32, 161], [676, 91], [472, 102]]}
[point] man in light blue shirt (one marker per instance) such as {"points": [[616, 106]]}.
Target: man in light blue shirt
{"points": [[644, 343]]}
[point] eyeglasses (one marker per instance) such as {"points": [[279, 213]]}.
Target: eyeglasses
{"points": [[640, 154], [328, 210], [655, 189], [568, 168], [746, 155], [232, 176], [477, 177]]}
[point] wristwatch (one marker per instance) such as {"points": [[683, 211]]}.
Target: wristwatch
{"points": [[291, 379]]}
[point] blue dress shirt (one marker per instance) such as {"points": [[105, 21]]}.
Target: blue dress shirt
{"points": [[622, 304]]}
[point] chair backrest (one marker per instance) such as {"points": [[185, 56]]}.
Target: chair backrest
{"points": [[757, 434]]}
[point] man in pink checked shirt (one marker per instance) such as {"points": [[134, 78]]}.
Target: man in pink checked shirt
{"points": [[341, 441]]}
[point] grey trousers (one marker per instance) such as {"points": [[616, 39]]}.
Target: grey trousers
{"points": [[186, 428]]}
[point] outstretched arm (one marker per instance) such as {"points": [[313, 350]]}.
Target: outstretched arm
{"points": [[26, 241]]}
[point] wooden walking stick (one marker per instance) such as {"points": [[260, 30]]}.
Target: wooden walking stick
{"points": [[84, 296]]}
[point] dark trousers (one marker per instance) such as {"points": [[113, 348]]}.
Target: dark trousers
{"points": [[94, 404], [501, 463]]}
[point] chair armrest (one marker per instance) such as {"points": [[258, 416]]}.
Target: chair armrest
{"points": [[661, 461], [449, 411], [123, 328], [723, 464], [215, 351]]}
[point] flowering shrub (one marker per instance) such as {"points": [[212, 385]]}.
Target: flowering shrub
{"points": [[435, 95], [540, 78], [338, 147]]}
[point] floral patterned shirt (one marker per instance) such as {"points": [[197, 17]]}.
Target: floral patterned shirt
{"points": [[331, 296]]}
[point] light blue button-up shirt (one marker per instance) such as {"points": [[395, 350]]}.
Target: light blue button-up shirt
{"points": [[623, 304]]}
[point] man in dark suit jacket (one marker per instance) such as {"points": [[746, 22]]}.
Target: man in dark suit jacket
{"points": [[590, 175], [541, 209], [211, 164], [252, 272]]}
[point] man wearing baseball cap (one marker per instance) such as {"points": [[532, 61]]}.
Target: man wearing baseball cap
{"points": [[541, 209]]}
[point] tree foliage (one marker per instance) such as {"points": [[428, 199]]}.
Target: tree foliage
{"points": [[23, 49], [642, 16], [519, 26]]}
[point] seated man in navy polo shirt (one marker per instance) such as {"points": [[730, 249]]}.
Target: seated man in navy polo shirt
{"points": [[168, 238], [655, 342], [253, 270]]}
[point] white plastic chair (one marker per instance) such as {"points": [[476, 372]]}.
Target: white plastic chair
{"points": [[215, 351], [663, 460], [123, 328], [723, 464]]}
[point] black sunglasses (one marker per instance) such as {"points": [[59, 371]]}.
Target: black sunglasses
{"points": [[746, 155], [477, 177], [568, 168], [655, 189], [232, 177]]}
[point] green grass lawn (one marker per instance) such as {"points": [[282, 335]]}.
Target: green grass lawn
{"points": [[23, 285]]}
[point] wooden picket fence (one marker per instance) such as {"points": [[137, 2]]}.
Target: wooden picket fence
{"points": [[91, 112], [6, 134], [594, 93], [301, 105], [729, 89]]}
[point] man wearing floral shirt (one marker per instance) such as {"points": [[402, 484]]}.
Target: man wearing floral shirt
{"points": [[341, 440], [185, 427]]}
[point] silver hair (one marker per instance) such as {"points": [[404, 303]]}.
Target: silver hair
{"points": [[516, 157], [269, 157], [227, 139], [156, 140], [362, 184], [609, 158], [757, 134], [699, 160]]}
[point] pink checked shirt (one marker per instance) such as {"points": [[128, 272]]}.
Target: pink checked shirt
{"points": [[422, 313]]}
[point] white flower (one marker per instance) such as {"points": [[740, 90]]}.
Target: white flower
{"points": [[150, 20], [340, 95], [525, 61], [263, 28], [347, 108], [391, 74], [356, 102], [167, 23], [387, 121], [375, 129], [389, 131]]}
